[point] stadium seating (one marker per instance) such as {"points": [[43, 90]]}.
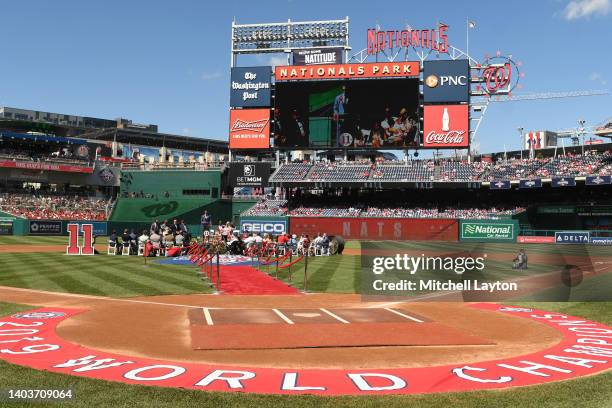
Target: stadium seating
{"points": [[445, 170], [54, 207]]}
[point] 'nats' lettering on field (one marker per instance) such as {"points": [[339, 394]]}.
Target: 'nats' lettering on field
{"points": [[348, 71]]}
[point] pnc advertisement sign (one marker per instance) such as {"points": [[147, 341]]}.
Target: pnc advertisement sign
{"points": [[348, 71], [489, 230], [446, 126], [446, 81], [249, 129], [250, 87]]}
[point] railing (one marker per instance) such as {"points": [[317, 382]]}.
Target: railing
{"points": [[529, 232], [172, 166]]}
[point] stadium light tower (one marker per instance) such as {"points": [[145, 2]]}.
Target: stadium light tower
{"points": [[581, 132], [520, 130]]}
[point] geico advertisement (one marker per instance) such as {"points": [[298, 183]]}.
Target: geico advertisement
{"points": [[263, 226]]}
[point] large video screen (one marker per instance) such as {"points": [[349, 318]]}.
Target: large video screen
{"points": [[377, 113]]}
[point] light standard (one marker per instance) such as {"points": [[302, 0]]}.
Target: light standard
{"points": [[581, 132], [520, 130]]}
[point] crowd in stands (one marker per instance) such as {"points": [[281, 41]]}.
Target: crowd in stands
{"points": [[405, 212], [34, 155], [447, 170], [54, 207]]}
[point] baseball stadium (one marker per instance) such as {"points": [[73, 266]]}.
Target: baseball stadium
{"points": [[345, 241]]}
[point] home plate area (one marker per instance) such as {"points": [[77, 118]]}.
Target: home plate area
{"points": [[242, 329]]}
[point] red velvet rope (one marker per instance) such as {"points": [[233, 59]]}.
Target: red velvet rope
{"points": [[280, 258], [291, 263]]}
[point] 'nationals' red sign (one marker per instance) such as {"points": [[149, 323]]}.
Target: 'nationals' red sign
{"points": [[446, 126], [349, 71], [45, 166], [417, 229]]}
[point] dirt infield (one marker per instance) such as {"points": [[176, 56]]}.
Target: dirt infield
{"points": [[159, 327]]}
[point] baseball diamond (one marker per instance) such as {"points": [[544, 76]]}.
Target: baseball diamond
{"points": [[360, 227]]}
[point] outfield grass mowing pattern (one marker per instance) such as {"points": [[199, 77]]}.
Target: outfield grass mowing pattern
{"points": [[116, 276]]}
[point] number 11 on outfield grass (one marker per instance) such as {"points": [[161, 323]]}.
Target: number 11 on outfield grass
{"points": [[73, 247]]}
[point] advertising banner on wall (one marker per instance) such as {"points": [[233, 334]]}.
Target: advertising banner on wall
{"points": [[563, 182], [45, 166], [500, 185], [522, 239], [488, 230], [249, 129], [250, 86], [446, 81], [348, 71], [262, 225], [318, 56], [572, 237], [377, 228], [44, 227], [534, 183], [446, 126], [249, 174], [597, 180], [6, 226], [99, 227]]}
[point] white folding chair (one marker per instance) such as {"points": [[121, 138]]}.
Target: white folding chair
{"points": [[111, 249], [125, 250], [141, 249]]}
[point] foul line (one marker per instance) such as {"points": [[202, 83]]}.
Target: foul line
{"points": [[404, 315], [107, 299], [282, 316], [334, 316], [207, 316]]}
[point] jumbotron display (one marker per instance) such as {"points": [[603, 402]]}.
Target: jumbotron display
{"points": [[365, 113]]}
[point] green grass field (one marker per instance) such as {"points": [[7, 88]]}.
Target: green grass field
{"points": [[126, 276]]}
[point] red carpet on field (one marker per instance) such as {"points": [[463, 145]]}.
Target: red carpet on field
{"points": [[245, 280]]}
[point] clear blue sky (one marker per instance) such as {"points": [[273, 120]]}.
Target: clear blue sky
{"points": [[167, 62]]}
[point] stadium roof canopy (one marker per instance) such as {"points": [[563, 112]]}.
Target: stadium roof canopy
{"points": [[148, 138]]}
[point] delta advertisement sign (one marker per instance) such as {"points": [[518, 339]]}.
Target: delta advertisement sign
{"points": [[348, 71], [249, 129], [446, 126], [377, 228]]}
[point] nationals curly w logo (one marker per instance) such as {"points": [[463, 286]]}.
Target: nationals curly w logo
{"points": [[156, 210]]}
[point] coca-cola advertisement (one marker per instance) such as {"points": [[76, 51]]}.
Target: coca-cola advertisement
{"points": [[446, 126], [249, 129]]}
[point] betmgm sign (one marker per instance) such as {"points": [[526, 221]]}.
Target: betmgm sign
{"points": [[249, 174]]}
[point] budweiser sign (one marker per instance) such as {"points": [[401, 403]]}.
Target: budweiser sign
{"points": [[256, 125], [446, 126], [249, 129]]}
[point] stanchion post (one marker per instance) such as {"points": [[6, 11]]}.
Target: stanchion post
{"points": [[306, 272], [276, 273], [290, 261], [218, 277]]}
